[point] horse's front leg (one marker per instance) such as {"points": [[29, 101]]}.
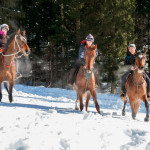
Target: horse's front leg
{"points": [[81, 101], [0, 92], [6, 86], [11, 76], [77, 103], [11, 85], [87, 100], [123, 110], [147, 110], [132, 107], [93, 93]]}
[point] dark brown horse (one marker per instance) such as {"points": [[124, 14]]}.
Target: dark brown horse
{"points": [[17, 43], [136, 87], [85, 80]]}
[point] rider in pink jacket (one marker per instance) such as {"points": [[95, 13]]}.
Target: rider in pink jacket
{"points": [[4, 28], [3, 35]]}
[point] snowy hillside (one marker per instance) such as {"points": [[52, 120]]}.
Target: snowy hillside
{"points": [[44, 119]]}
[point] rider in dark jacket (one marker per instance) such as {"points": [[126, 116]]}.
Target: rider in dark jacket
{"points": [[130, 61], [81, 61]]}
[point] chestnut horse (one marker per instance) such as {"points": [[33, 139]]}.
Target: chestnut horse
{"points": [[136, 87], [17, 43], [85, 80]]}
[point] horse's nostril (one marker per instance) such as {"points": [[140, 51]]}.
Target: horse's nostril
{"points": [[141, 67], [28, 51]]}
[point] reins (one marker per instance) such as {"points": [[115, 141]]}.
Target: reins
{"points": [[138, 85], [88, 77]]}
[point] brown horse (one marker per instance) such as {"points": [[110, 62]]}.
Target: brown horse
{"points": [[17, 43], [136, 87], [85, 80]]}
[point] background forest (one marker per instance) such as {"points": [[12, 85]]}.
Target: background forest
{"points": [[55, 28]]}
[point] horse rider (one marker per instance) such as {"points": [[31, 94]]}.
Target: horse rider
{"points": [[4, 28], [89, 40], [130, 61], [3, 36]]}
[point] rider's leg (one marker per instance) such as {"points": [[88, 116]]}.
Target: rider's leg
{"points": [[73, 73], [148, 85], [123, 81], [18, 74], [70, 82], [96, 77]]}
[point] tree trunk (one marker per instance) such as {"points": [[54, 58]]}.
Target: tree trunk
{"points": [[112, 87]]}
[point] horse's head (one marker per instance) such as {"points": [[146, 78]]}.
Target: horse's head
{"points": [[21, 43], [90, 53], [140, 61]]}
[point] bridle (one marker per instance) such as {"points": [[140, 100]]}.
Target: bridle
{"points": [[18, 51], [88, 74]]}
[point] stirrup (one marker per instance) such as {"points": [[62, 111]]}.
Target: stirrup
{"points": [[148, 96], [18, 75], [96, 85], [70, 84], [122, 94]]}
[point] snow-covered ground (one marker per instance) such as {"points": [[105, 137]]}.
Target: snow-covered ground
{"points": [[44, 119]]}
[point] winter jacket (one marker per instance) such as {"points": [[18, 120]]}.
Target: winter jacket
{"points": [[81, 54], [129, 59], [3, 39]]}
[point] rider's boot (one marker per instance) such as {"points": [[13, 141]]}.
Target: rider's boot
{"points": [[123, 90], [71, 77], [96, 77], [18, 75], [148, 91]]}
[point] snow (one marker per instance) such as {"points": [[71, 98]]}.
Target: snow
{"points": [[44, 119]]}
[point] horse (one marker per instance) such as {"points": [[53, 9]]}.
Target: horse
{"points": [[17, 43], [85, 80], [136, 87]]}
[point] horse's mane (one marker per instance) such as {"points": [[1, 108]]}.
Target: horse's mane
{"points": [[92, 47], [9, 40]]}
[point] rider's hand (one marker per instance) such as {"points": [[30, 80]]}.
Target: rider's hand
{"points": [[132, 68], [84, 66]]}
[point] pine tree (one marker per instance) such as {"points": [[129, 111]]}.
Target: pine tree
{"points": [[142, 19]]}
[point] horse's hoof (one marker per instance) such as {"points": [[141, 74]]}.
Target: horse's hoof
{"points": [[146, 119], [76, 108], [10, 100], [81, 109], [123, 113], [133, 117]]}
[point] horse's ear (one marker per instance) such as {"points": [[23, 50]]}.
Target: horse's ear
{"points": [[145, 51], [24, 32], [18, 31]]}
